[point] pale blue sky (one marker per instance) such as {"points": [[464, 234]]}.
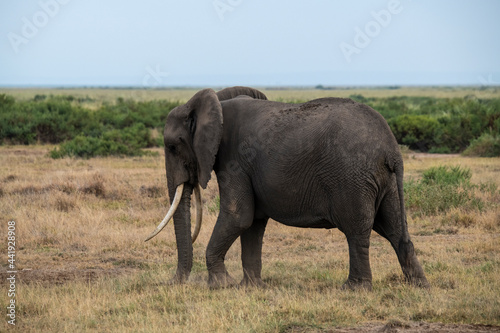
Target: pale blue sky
{"points": [[242, 42]]}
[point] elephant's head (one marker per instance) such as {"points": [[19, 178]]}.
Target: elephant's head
{"points": [[192, 135]]}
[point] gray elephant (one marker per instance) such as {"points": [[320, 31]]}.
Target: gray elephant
{"points": [[327, 163]]}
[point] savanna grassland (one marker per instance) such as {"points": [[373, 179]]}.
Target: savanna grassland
{"points": [[83, 264], [99, 96]]}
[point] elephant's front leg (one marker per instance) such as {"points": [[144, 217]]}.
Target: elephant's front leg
{"points": [[235, 217], [251, 253]]}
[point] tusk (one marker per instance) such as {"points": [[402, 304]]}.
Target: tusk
{"points": [[199, 212], [171, 211]]}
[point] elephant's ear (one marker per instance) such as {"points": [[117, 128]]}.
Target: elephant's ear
{"points": [[206, 129], [232, 92]]}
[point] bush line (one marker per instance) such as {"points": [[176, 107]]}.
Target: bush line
{"points": [[122, 128], [436, 125]]}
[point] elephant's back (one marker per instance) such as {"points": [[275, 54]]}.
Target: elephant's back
{"points": [[344, 123], [358, 120], [335, 126], [347, 112], [360, 135]]}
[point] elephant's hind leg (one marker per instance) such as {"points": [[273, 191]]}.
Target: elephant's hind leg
{"points": [[388, 225], [251, 253], [356, 222], [410, 265]]}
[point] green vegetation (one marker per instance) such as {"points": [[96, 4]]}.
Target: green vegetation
{"points": [[125, 127], [214, 207], [442, 188], [446, 175], [487, 145], [127, 141], [122, 128], [438, 125]]}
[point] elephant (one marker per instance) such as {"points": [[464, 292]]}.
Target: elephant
{"points": [[327, 163]]}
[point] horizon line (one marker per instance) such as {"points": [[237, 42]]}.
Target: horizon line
{"points": [[268, 87]]}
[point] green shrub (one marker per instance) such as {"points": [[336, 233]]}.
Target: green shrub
{"points": [[415, 131], [358, 98], [49, 120], [457, 129], [81, 146], [214, 207], [460, 120], [6, 101], [56, 119], [422, 199], [487, 145], [39, 98], [446, 175], [126, 113], [126, 142], [87, 147], [119, 129], [440, 189], [440, 150]]}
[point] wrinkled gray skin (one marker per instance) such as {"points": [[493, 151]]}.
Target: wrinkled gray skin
{"points": [[327, 163]]}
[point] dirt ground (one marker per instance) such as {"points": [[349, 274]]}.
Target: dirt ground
{"points": [[394, 327], [48, 277]]}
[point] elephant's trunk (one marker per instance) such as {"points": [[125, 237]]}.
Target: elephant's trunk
{"points": [[182, 226], [180, 211]]}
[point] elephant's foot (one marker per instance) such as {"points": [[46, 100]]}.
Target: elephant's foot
{"points": [[178, 279], [412, 270], [254, 282], [220, 280], [357, 285], [420, 282]]}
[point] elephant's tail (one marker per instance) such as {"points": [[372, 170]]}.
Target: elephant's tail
{"points": [[396, 166], [399, 169], [405, 245]]}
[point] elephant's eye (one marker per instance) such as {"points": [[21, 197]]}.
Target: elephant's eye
{"points": [[172, 149]]}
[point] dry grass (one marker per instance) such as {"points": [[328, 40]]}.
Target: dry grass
{"points": [[85, 267], [110, 95]]}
